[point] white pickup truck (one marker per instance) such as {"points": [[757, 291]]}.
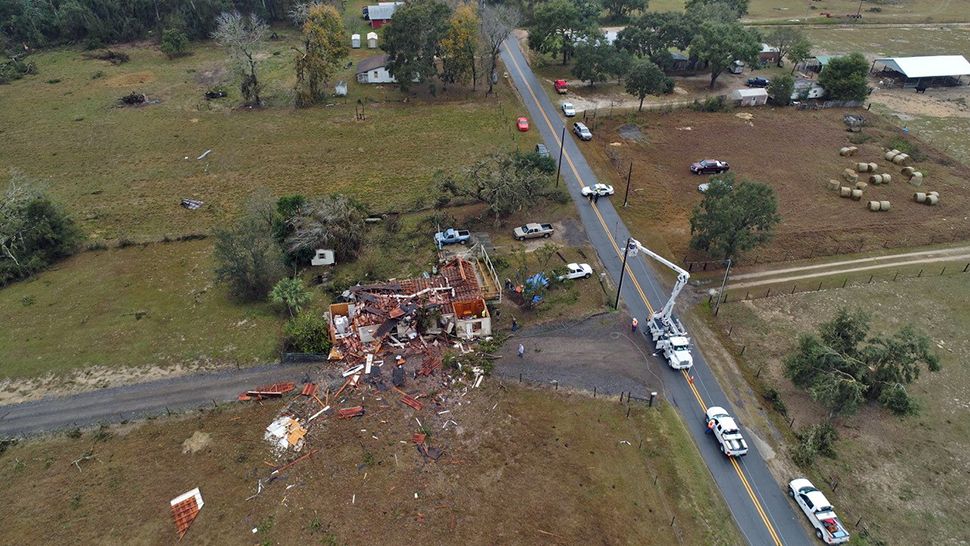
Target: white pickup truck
{"points": [[676, 351], [819, 511], [726, 431]]}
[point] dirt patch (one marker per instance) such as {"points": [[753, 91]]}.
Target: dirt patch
{"points": [[211, 76], [795, 152], [941, 103], [127, 80], [630, 131], [197, 442]]}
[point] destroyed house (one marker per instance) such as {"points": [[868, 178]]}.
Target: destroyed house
{"points": [[450, 302]]}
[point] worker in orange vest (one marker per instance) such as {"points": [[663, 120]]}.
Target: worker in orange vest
{"points": [[635, 324]]}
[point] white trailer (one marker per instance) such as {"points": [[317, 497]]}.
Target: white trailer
{"points": [[667, 333]]}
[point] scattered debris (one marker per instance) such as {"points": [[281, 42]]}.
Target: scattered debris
{"points": [[192, 204], [205, 153], [285, 433], [185, 508], [133, 98], [747, 116], [309, 389], [347, 413], [197, 442], [276, 389], [113, 57]]}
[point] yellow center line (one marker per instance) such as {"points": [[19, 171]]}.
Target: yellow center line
{"points": [[636, 283]]}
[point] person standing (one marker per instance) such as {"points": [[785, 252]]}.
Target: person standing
{"points": [[634, 324], [521, 350], [596, 198], [515, 324]]}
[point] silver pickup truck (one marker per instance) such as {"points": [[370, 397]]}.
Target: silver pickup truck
{"points": [[532, 231]]}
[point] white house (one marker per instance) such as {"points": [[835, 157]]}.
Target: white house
{"points": [[374, 70], [371, 40], [750, 97]]}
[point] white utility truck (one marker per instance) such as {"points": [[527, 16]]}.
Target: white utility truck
{"points": [[819, 511], [667, 333], [727, 432]]}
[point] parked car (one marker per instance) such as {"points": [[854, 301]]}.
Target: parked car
{"points": [[364, 14], [710, 166], [541, 150], [597, 189], [576, 271], [568, 109], [758, 82], [522, 124], [726, 431], [561, 86], [452, 236], [819, 511], [582, 131], [531, 231]]}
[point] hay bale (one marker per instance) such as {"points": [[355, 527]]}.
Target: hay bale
{"points": [[891, 154], [847, 151], [932, 200], [886, 178], [850, 176], [874, 206], [884, 205], [908, 171], [845, 192], [856, 195], [861, 185], [873, 167], [936, 193], [916, 179], [900, 159], [875, 179], [919, 197], [862, 167], [834, 185]]}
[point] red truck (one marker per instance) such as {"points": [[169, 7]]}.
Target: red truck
{"points": [[561, 86]]}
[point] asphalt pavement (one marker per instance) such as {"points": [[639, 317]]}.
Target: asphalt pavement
{"points": [[758, 504], [140, 400]]}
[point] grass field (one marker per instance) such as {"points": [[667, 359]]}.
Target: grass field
{"points": [[796, 153], [891, 10], [522, 467], [904, 477]]}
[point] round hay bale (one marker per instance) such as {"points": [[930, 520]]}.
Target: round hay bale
{"points": [[916, 179], [850, 176], [908, 171], [891, 154], [884, 205], [834, 185], [875, 179], [934, 193], [932, 200], [845, 191], [862, 167], [845, 151], [919, 197], [861, 185], [900, 159], [873, 167], [856, 195], [886, 179], [874, 206]]}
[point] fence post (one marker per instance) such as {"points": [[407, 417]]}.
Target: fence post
{"points": [[731, 329], [768, 293], [942, 270], [652, 396], [966, 267], [819, 286], [791, 424], [747, 295], [520, 378], [759, 371], [845, 281], [557, 384], [743, 347], [870, 278], [896, 276], [628, 410], [594, 392], [920, 274], [793, 287]]}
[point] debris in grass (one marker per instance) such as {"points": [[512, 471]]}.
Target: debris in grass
{"points": [[192, 204], [185, 508]]}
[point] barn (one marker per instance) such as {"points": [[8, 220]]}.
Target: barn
{"points": [[374, 70], [769, 54], [923, 72], [381, 13], [750, 97]]}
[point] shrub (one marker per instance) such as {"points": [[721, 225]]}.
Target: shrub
{"points": [[712, 104], [174, 43], [813, 441], [903, 145], [773, 398], [34, 231], [307, 333]]}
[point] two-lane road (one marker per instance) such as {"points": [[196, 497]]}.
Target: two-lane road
{"points": [[759, 506]]}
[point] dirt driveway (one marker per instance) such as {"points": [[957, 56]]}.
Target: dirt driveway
{"points": [[598, 352]]}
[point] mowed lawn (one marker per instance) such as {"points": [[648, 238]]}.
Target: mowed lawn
{"points": [[122, 171], [156, 305], [905, 477], [521, 466]]}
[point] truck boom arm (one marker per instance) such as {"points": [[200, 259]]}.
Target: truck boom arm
{"points": [[682, 277]]}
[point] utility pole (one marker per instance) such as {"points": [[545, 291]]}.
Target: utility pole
{"points": [[721, 291], [626, 250], [858, 13], [626, 196], [562, 141]]}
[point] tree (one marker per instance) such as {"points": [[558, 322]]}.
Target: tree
{"points": [[497, 22], [720, 44], [737, 8], [555, 26], [733, 218], [324, 50], [843, 370], [174, 43], [307, 333], [619, 9], [507, 183], [34, 231], [618, 63], [247, 257], [646, 78], [459, 45], [654, 33], [593, 58], [242, 36], [291, 293], [844, 78], [784, 38], [413, 39], [781, 88], [334, 222], [798, 52]]}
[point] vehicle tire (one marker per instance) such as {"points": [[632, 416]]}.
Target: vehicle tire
{"points": [[818, 533], [546, 236], [520, 238], [586, 276], [791, 492]]}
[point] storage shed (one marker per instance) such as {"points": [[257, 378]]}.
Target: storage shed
{"points": [[750, 97], [769, 54], [371, 40], [355, 41], [380, 14], [923, 72]]}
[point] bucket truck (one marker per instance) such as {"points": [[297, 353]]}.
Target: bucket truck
{"points": [[667, 333]]}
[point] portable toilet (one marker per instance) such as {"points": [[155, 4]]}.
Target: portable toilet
{"points": [[355, 41], [371, 40], [340, 89]]}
